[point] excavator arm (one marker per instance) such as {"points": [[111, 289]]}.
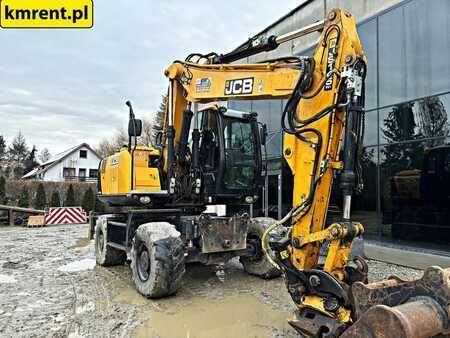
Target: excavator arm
{"points": [[323, 124], [191, 83]]}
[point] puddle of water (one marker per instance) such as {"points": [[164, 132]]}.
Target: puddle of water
{"points": [[81, 265], [80, 243], [131, 296], [233, 316], [7, 279]]}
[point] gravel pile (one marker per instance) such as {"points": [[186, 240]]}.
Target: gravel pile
{"points": [[380, 271]]}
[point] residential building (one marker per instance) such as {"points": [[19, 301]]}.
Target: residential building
{"points": [[79, 163]]}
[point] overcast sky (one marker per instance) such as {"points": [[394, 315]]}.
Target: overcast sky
{"points": [[64, 87]]}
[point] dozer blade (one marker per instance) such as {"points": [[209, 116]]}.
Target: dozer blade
{"points": [[402, 309]]}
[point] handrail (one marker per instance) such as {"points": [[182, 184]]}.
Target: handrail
{"points": [[20, 209]]}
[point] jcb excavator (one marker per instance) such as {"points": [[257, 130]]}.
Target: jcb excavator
{"points": [[219, 161]]}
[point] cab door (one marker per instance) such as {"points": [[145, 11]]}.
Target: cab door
{"points": [[210, 159]]}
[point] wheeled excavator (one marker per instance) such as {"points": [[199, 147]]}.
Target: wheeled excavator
{"points": [[169, 188]]}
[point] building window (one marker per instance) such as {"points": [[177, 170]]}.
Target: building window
{"points": [[405, 48], [69, 172], [93, 173], [83, 153], [82, 172]]}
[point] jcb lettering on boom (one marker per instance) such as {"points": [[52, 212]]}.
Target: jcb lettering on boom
{"points": [[239, 86]]}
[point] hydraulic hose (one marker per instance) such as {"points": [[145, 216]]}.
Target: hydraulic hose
{"points": [[265, 242]]}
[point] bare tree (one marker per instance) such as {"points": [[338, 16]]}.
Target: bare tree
{"points": [[44, 155], [150, 128], [107, 147], [146, 138]]}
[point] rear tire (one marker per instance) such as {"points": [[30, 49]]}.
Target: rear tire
{"points": [[157, 259], [260, 265], [106, 255]]}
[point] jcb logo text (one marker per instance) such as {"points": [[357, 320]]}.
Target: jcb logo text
{"points": [[239, 86]]}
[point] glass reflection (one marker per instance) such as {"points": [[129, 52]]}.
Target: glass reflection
{"points": [[415, 180]]}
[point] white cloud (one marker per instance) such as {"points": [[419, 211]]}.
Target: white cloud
{"points": [[20, 91]]}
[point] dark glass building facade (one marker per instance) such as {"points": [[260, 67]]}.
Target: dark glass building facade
{"points": [[407, 139]]}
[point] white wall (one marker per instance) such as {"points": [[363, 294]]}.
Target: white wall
{"points": [[55, 173]]}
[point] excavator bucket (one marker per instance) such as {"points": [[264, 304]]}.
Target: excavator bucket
{"points": [[402, 309]]}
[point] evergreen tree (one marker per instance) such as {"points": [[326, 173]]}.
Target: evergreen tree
{"points": [[158, 122], [400, 126], [2, 190], [433, 121], [70, 197], [55, 200], [7, 171], [2, 148], [18, 171], [88, 203], [18, 150], [40, 202], [30, 161], [17, 153], [24, 198]]}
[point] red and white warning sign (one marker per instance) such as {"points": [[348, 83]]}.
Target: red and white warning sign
{"points": [[66, 215]]}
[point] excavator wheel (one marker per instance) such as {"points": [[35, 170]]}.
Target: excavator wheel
{"points": [[259, 265], [157, 259], [106, 255]]}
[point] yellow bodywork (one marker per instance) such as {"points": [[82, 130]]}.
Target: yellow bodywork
{"points": [[316, 302], [272, 80], [115, 171]]}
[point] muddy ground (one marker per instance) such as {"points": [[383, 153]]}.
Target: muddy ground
{"points": [[50, 287]]}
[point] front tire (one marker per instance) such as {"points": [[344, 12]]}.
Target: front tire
{"points": [[106, 255], [157, 259], [259, 265]]}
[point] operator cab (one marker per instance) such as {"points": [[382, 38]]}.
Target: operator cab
{"points": [[229, 154]]}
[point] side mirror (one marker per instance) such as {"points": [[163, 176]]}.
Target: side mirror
{"points": [[134, 127], [263, 134]]}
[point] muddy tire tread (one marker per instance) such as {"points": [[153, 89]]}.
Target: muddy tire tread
{"points": [[109, 256], [261, 268], [167, 263]]}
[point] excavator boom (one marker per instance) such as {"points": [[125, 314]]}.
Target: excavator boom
{"points": [[323, 124]]}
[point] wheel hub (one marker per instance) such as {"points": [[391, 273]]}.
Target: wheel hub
{"points": [[254, 243], [143, 263]]}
